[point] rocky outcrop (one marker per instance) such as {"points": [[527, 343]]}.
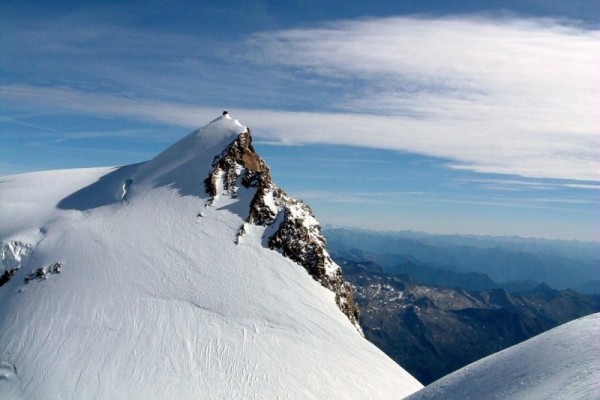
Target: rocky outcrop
{"points": [[7, 276], [12, 256], [44, 272], [239, 159], [293, 229], [299, 238]]}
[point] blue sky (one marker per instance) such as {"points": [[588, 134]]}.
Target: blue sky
{"points": [[446, 117]]}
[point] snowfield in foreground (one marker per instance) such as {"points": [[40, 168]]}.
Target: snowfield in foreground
{"points": [[560, 364], [132, 283]]}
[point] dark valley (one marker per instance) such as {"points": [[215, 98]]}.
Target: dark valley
{"points": [[434, 330]]}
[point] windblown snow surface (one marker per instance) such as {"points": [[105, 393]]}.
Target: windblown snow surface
{"points": [[560, 364], [127, 284]]}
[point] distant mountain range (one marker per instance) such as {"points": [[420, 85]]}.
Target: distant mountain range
{"points": [[435, 303], [474, 262], [432, 331], [431, 275]]}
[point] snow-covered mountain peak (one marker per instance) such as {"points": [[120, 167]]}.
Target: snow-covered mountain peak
{"points": [[221, 128], [189, 276], [218, 163], [289, 224], [191, 155], [220, 132]]}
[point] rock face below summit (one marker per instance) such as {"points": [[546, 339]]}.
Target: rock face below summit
{"points": [[294, 231]]}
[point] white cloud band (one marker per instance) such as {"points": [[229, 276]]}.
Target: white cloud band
{"points": [[510, 96]]}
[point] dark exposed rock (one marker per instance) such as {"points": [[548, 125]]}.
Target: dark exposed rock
{"points": [[7, 276], [43, 272], [13, 254], [306, 247], [297, 234], [238, 159]]}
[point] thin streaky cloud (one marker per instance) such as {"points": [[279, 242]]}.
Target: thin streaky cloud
{"points": [[358, 197], [509, 96], [396, 198], [118, 133], [513, 92], [557, 200], [333, 159], [27, 124], [582, 186], [519, 185], [69, 99], [477, 152], [131, 154]]}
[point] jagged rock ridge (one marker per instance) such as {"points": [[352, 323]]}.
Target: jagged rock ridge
{"points": [[297, 233]]}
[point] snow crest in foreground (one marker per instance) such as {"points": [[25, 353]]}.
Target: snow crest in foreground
{"points": [[560, 364]]}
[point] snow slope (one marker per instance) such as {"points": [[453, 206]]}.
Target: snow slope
{"points": [[560, 364], [156, 299]]}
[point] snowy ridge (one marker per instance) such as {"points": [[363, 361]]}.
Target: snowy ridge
{"points": [[560, 364], [151, 297], [292, 228], [193, 153]]}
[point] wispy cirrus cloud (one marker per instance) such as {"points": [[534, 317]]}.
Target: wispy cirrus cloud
{"points": [[66, 99], [507, 95], [520, 185], [499, 95], [482, 153], [549, 203]]}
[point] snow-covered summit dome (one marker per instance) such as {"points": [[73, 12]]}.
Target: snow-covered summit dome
{"points": [[190, 157], [189, 276]]}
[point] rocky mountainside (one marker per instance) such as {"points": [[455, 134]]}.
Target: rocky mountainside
{"points": [[291, 226], [433, 331]]}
